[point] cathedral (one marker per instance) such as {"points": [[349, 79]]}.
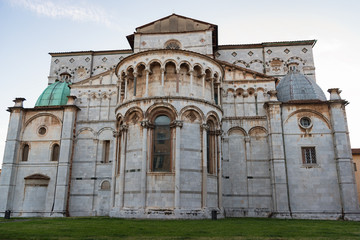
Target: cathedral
{"points": [[178, 126]]}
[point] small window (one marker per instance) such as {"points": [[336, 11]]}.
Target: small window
{"points": [[55, 152], [105, 185], [42, 131], [106, 151], [25, 153], [308, 155], [305, 122], [355, 168]]}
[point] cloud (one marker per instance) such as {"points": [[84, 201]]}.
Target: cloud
{"points": [[63, 9]]}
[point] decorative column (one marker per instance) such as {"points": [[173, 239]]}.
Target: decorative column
{"points": [[178, 124], [135, 82], [147, 82], [218, 94], [218, 134], [126, 87], [12, 147], [177, 71], [162, 70], [191, 82], [343, 155], [212, 89], [119, 83], [61, 205], [117, 136], [124, 132], [203, 85], [280, 194], [204, 128], [145, 125]]}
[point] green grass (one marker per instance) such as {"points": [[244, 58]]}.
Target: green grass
{"points": [[230, 228]]}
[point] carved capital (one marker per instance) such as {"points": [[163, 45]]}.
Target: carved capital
{"points": [[219, 132], [205, 127], [272, 94], [145, 123], [116, 133], [176, 123], [123, 128]]}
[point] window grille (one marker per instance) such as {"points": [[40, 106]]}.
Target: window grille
{"points": [[309, 155]]}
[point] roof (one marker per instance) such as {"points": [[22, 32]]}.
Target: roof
{"points": [[355, 151], [91, 52], [269, 44], [246, 70], [175, 23], [295, 87], [54, 95]]}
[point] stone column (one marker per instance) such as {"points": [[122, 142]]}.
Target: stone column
{"points": [[145, 125], [279, 182], [177, 71], [203, 85], [212, 89], [12, 148], [147, 82], [343, 155], [218, 93], [191, 83], [119, 83], [219, 167], [204, 128], [162, 81], [117, 136], [126, 88], [61, 206], [135, 82], [178, 125], [123, 129]]}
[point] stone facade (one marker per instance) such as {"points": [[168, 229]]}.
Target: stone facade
{"points": [[179, 126], [356, 159]]}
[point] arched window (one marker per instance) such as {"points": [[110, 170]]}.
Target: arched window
{"points": [[161, 157], [65, 77], [210, 148], [55, 152], [172, 44], [25, 153]]}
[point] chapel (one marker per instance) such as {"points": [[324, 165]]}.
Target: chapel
{"points": [[178, 126]]}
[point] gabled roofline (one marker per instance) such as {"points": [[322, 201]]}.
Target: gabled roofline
{"points": [[269, 44], [174, 14], [247, 70]]}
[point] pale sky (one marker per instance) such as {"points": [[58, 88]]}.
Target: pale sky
{"points": [[30, 29]]}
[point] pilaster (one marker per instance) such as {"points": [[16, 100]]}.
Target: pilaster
{"points": [[343, 156], [62, 190], [280, 194], [12, 146]]}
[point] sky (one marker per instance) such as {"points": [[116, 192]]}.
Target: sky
{"points": [[30, 29]]}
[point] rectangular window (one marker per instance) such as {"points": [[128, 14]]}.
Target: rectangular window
{"points": [[355, 168], [106, 151], [308, 155]]}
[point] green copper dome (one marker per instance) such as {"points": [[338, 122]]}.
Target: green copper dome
{"points": [[54, 95]]}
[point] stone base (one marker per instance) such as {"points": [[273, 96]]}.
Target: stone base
{"points": [[165, 213], [243, 212]]}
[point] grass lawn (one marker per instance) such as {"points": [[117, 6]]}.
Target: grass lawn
{"points": [[230, 228]]}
